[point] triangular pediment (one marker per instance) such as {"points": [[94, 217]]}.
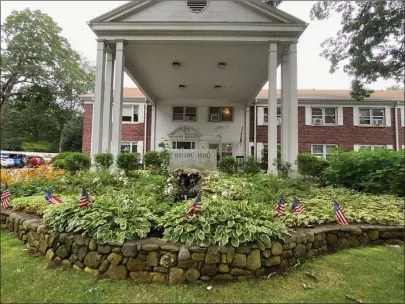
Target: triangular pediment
{"points": [[237, 11], [184, 133]]}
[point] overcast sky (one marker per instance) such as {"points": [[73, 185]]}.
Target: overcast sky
{"points": [[313, 71]]}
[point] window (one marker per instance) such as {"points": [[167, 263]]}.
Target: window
{"points": [[187, 145], [266, 115], [184, 113], [323, 116], [372, 116], [322, 151], [220, 114], [130, 114], [371, 147], [129, 147], [226, 150]]}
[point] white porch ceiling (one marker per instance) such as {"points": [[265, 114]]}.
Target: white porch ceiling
{"points": [[244, 74]]}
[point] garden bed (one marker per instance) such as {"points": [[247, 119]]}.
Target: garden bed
{"points": [[154, 260]]}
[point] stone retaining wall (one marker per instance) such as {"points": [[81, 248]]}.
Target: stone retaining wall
{"points": [[153, 260]]}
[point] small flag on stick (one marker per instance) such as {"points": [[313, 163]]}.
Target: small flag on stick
{"points": [[280, 207], [51, 199], [196, 206], [297, 207], [84, 200], [6, 197], [340, 214]]}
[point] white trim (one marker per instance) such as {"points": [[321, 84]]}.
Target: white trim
{"points": [[387, 116], [324, 115], [141, 113], [140, 148], [356, 118], [340, 115], [390, 146], [358, 146], [308, 116], [132, 116], [402, 109], [260, 116], [323, 149], [131, 143]]}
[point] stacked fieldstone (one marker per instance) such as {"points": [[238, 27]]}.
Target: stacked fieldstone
{"points": [[153, 260]]}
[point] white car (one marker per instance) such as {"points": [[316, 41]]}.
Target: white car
{"points": [[7, 162]]}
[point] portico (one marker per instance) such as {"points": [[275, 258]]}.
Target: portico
{"points": [[200, 70]]}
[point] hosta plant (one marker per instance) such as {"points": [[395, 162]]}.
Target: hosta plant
{"points": [[111, 218], [221, 222]]}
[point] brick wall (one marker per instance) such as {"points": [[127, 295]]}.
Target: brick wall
{"points": [[130, 132], [87, 121], [345, 136]]}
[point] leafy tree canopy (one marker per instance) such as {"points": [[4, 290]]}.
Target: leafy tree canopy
{"points": [[34, 52], [370, 44]]}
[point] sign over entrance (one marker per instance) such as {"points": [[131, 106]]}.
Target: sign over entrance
{"points": [[196, 159]]}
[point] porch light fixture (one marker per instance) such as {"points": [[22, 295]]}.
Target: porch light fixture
{"points": [[176, 65], [218, 87], [182, 87], [221, 65]]}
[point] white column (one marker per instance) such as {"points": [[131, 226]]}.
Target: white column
{"points": [[98, 105], [247, 125], [285, 107], [108, 103], [293, 108], [272, 105], [118, 98], [153, 129]]}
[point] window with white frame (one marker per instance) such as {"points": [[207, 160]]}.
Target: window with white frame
{"points": [[217, 114], [187, 145], [323, 116], [371, 147], [372, 116], [266, 115], [184, 113], [130, 114], [129, 146], [322, 151]]}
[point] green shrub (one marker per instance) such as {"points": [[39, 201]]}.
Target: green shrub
{"points": [[59, 160], [128, 161], [227, 164], [104, 160], [152, 159], [252, 165], [111, 218], [76, 161], [311, 166], [36, 146], [221, 222], [380, 171]]}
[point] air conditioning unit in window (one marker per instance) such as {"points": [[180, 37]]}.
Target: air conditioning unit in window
{"points": [[378, 122], [214, 117], [317, 121], [190, 118]]}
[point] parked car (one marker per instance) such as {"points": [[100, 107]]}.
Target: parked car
{"points": [[35, 161], [6, 161]]}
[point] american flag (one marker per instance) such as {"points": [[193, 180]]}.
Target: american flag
{"points": [[196, 207], [51, 199], [84, 200], [280, 207], [340, 214], [6, 197], [297, 207]]}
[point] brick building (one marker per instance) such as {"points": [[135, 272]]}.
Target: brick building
{"points": [[326, 118]]}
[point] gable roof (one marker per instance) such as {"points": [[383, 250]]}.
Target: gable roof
{"points": [[394, 95]]}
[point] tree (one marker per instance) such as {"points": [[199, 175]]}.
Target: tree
{"points": [[370, 44], [34, 52], [273, 3], [395, 87]]}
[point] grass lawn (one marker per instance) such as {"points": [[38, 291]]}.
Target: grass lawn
{"points": [[372, 274]]}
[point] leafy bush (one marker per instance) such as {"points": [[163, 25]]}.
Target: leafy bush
{"points": [[227, 164], [36, 146], [60, 156], [104, 160], [222, 222], [252, 165], [112, 218], [283, 167], [76, 161], [380, 171], [311, 166], [152, 159], [32, 204], [128, 161], [59, 161]]}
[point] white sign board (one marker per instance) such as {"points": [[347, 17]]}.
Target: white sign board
{"points": [[195, 159]]}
